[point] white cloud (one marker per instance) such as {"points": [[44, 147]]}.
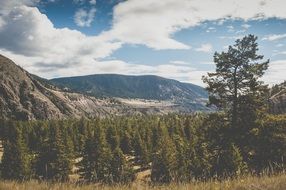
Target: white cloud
{"points": [[225, 47], [279, 53], [207, 63], [276, 72], [84, 18], [245, 26], [80, 2], [92, 2], [30, 37], [180, 72], [2, 23], [220, 21], [207, 48], [232, 37], [154, 22], [211, 29], [164, 18], [279, 45], [273, 37], [30, 33], [9, 4], [179, 62], [230, 28], [240, 31]]}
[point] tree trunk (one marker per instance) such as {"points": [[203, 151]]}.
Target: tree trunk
{"points": [[234, 103]]}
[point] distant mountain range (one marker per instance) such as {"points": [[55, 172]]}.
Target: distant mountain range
{"points": [[148, 87], [25, 96]]}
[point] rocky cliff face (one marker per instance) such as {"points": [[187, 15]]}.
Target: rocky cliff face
{"points": [[23, 97]]}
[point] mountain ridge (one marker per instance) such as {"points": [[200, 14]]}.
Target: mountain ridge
{"points": [[131, 86], [24, 96]]}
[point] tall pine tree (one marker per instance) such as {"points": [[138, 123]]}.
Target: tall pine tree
{"points": [[54, 161], [16, 159], [96, 163]]}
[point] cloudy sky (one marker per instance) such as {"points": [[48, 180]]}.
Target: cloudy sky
{"points": [[169, 38]]}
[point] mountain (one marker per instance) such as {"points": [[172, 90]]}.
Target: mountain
{"points": [[278, 98], [147, 87], [24, 96]]}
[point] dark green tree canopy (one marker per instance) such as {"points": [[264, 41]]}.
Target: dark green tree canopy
{"points": [[237, 75]]}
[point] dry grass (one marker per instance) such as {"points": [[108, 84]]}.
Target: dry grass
{"points": [[277, 182], [1, 149]]}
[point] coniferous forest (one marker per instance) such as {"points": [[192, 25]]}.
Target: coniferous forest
{"points": [[240, 137], [176, 148]]}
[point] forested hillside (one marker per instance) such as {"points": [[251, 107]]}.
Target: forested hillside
{"points": [[173, 148], [184, 97], [143, 87]]}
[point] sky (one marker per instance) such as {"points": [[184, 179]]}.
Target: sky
{"points": [[170, 38]]}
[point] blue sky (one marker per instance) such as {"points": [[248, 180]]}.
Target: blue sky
{"points": [[170, 38]]}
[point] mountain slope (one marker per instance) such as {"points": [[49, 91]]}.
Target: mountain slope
{"points": [[21, 97], [24, 96], [143, 87], [278, 99]]}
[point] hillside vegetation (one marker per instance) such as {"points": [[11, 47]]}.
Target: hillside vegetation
{"points": [[124, 86], [176, 148], [184, 97]]}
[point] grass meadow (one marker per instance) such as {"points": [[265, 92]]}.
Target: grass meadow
{"points": [[275, 182]]}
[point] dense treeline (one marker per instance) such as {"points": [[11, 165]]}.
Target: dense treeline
{"points": [[180, 148]]}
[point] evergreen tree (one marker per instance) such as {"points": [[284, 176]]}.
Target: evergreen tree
{"points": [[140, 150], [126, 143], [182, 147], [121, 170], [236, 80], [96, 163], [112, 137], [229, 162], [16, 159], [200, 162], [270, 146], [235, 87], [164, 162], [182, 173], [54, 160], [87, 166]]}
